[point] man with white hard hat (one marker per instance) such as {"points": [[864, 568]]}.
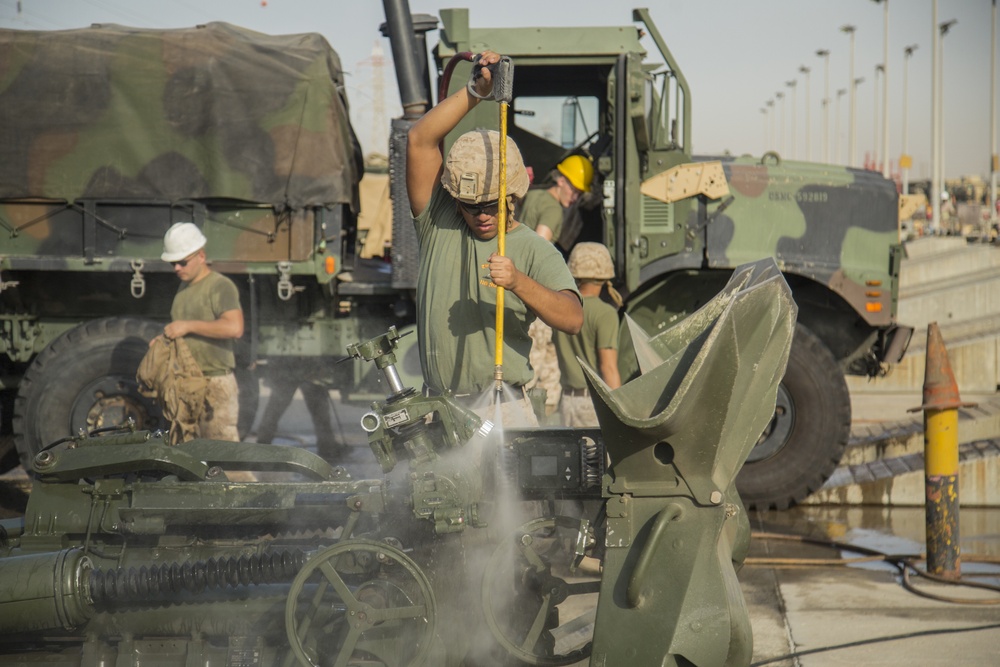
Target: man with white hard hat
{"points": [[206, 312]]}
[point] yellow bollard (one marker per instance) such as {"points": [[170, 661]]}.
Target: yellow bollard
{"points": [[941, 403]]}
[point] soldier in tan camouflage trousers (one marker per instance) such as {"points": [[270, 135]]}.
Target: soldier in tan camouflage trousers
{"points": [[597, 342], [543, 211], [207, 313]]}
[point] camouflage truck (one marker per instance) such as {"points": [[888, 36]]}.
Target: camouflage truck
{"points": [[111, 134], [678, 223], [248, 136]]}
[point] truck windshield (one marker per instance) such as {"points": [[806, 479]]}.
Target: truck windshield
{"points": [[566, 121]]}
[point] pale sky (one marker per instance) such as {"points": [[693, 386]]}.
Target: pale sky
{"points": [[735, 54]]}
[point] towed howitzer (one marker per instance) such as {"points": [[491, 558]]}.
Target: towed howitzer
{"points": [[133, 551]]}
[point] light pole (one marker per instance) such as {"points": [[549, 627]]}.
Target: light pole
{"points": [[770, 124], [836, 128], [852, 146], [825, 55], [792, 84], [854, 117], [885, 87], [905, 160], [781, 126], [943, 27], [875, 155], [935, 193], [809, 152], [763, 134], [993, 114]]}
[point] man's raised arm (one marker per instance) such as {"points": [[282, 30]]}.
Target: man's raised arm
{"points": [[423, 153]]}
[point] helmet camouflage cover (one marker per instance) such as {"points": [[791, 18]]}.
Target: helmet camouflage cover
{"points": [[472, 168], [591, 261]]}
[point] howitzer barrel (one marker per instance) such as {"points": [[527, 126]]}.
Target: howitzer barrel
{"points": [[45, 591]]}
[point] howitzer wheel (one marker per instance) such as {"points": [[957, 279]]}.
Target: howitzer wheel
{"points": [[537, 617], [360, 602]]}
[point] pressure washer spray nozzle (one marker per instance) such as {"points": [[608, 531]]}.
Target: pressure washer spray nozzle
{"points": [[498, 376]]}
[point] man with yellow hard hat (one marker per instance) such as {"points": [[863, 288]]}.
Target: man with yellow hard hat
{"points": [[543, 208]]}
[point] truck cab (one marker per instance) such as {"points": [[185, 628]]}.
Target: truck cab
{"points": [[678, 222]]}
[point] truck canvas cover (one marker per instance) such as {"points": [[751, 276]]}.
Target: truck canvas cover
{"points": [[212, 112]]}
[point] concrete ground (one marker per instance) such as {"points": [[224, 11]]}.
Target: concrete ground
{"points": [[861, 614]]}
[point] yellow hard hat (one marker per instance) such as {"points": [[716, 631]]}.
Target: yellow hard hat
{"points": [[578, 171]]}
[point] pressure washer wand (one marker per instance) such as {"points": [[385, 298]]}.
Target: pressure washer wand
{"points": [[502, 76]]}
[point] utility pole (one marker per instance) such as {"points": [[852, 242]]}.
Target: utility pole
{"points": [[993, 114], [885, 87], [852, 132], [836, 131], [763, 134], [905, 160], [875, 143], [379, 139], [825, 55], [809, 152], [781, 135], [770, 127], [943, 27], [854, 118], [935, 193], [793, 152]]}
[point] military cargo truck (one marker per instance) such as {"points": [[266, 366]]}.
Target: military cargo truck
{"points": [[78, 254], [110, 135]]}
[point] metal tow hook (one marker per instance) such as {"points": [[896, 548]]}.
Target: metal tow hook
{"points": [[285, 287], [138, 284]]}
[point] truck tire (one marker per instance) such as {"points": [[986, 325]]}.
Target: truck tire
{"points": [[805, 440], [8, 452], [86, 379]]}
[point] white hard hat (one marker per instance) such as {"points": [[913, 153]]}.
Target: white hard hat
{"points": [[181, 240]]}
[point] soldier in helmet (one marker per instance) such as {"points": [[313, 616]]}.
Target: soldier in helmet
{"points": [[455, 206], [597, 342], [543, 208], [206, 312]]}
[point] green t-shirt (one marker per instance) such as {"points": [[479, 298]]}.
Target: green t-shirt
{"points": [[599, 332], [206, 300], [541, 208], [456, 302]]}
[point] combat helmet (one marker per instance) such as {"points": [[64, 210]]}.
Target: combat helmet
{"points": [[471, 170], [591, 261]]}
